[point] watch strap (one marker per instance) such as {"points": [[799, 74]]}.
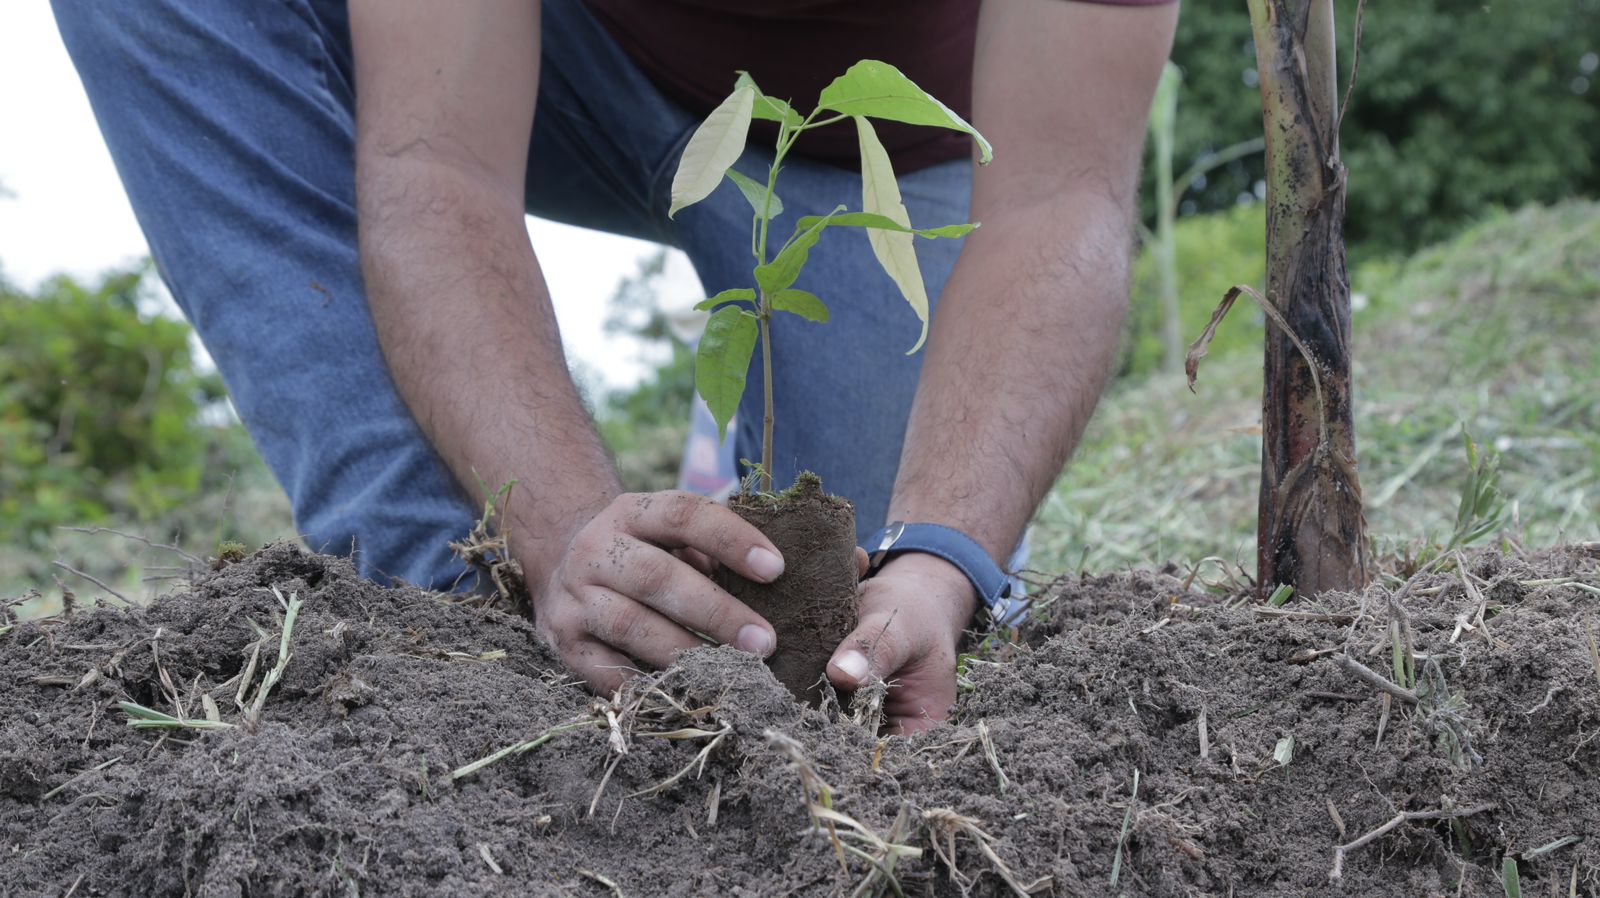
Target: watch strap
{"points": [[994, 586]]}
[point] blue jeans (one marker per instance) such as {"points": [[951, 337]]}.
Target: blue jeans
{"points": [[232, 126]]}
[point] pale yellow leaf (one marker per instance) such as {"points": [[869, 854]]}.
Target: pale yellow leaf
{"points": [[880, 195], [713, 147]]}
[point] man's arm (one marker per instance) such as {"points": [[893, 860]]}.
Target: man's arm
{"points": [[1027, 323], [445, 111]]}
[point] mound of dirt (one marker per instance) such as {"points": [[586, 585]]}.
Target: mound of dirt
{"points": [[1140, 740]]}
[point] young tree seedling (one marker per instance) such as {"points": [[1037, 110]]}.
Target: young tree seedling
{"points": [[868, 90]]}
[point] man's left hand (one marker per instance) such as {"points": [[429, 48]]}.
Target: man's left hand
{"points": [[912, 616]]}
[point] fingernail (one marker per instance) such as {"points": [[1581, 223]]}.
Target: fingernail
{"points": [[765, 564], [853, 664], [756, 640]]}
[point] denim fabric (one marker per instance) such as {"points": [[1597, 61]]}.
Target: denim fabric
{"points": [[232, 127]]}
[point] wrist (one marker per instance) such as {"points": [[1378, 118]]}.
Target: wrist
{"points": [[946, 588], [537, 537]]}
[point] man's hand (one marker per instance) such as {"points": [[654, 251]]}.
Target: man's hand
{"points": [[912, 616], [632, 586]]}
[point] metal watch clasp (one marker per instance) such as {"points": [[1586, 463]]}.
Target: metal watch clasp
{"points": [[890, 537]]}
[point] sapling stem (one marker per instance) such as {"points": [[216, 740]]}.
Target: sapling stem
{"points": [[786, 139], [765, 320]]}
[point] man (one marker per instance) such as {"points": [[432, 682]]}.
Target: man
{"points": [[261, 143]]}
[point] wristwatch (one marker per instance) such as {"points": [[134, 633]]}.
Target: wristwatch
{"points": [[993, 584]]}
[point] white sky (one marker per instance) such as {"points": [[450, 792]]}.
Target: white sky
{"points": [[67, 212]]}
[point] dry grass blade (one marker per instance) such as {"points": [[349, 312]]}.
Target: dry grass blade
{"points": [[993, 756], [189, 558], [142, 718], [1573, 582], [1340, 851], [604, 880], [1127, 821], [249, 675], [1318, 616], [716, 737], [882, 874], [1594, 645], [866, 705], [1375, 679], [291, 611], [944, 824], [78, 776], [816, 794], [519, 748], [91, 578], [1197, 349], [880, 854]]}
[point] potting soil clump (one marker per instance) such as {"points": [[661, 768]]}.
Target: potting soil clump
{"points": [[1138, 739]]}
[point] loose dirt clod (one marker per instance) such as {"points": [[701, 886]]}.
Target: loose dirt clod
{"points": [[721, 784]]}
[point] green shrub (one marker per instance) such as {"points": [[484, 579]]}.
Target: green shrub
{"points": [[1214, 252], [99, 403]]}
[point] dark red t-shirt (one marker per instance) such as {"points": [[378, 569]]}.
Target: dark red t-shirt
{"points": [[793, 48]]}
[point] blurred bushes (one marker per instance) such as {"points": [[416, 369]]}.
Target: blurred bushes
{"points": [[99, 407], [1214, 252], [1462, 106], [645, 426]]}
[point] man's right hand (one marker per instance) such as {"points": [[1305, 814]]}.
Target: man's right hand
{"points": [[629, 590]]}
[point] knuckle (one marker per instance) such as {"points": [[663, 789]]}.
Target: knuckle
{"points": [[717, 615], [682, 510], [631, 507], [621, 623], [653, 572], [587, 542]]}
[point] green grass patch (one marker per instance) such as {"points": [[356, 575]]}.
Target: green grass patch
{"points": [[1492, 331]]}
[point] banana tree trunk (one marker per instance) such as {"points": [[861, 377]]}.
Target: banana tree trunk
{"points": [[1312, 533]]}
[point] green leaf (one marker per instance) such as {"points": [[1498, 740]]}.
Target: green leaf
{"points": [[714, 146], [880, 195], [1283, 752], [801, 303], [768, 108], [743, 293], [1510, 877], [870, 220], [722, 361], [879, 90], [756, 194], [1280, 595], [780, 273]]}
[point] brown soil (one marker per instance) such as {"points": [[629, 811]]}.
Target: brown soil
{"points": [[813, 605], [344, 787]]}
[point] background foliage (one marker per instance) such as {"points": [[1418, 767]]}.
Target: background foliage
{"points": [[1462, 105], [99, 405], [645, 427]]}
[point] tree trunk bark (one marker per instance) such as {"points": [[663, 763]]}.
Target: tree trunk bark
{"points": [[1312, 533]]}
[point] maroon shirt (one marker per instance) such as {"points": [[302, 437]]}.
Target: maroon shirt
{"points": [[793, 48]]}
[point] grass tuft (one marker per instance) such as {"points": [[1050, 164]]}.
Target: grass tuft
{"points": [[142, 718], [291, 611]]}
